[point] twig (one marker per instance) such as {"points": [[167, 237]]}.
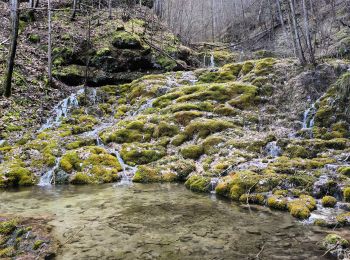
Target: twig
{"points": [[3, 42], [72, 236], [330, 249], [259, 253]]}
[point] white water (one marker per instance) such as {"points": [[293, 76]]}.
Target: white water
{"points": [[273, 150], [309, 117], [61, 110], [46, 178], [2, 142], [212, 61]]}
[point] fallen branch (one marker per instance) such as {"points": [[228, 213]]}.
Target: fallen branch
{"points": [[72, 236], [259, 253], [5, 41], [333, 248]]}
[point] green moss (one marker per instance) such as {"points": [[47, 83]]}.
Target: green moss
{"points": [[7, 252], [277, 202], [37, 244], [125, 40], [206, 127], [346, 194], [210, 144], [179, 139], [80, 143], [344, 219], [81, 179], [198, 183], [146, 174], [165, 129], [185, 117], [329, 201], [192, 151], [34, 38], [7, 227], [264, 67], [225, 110], [15, 174], [344, 170], [295, 151], [103, 52], [333, 239], [253, 199], [301, 207], [138, 154], [70, 161], [247, 67]]}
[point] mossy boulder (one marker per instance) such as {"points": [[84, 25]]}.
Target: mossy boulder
{"points": [[344, 219], [301, 208], [198, 183], [192, 151], [329, 201], [138, 154], [126, 40], [344, 170], [146, 174], [277, 202], [258, 199], [346, 194], [333, 241], [15, 174]]}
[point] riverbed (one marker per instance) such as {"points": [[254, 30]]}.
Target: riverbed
{"points": [[161, 221]]}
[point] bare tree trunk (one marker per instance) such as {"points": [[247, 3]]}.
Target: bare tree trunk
{"points": [[110, 9], [307, 33], [13, 47], [299, 47], [49, 49], [37, 3], [74, 10]]}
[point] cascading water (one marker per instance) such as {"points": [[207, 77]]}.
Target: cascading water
{"points": [[212, 61], [143, 107], [309, 117], [273, 150], [62, 110], [46, 178]]}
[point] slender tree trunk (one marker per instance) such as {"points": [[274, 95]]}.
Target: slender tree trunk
{"points": [[74, 12], [13, 47], [37, 3], [299, 47], [307, 33], [110, 9], [49, 49]]}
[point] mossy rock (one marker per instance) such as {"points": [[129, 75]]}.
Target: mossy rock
{"points": [[258, 199], [198, 183], [329, 201], [145, 174], [138, 154], [344, 219], [7, 227], [165, 129], [346, 194], [301, 208], [15, 174], [126, 40], [192, 151], [277, 202], [344, 170], [331, 240], [206, 127]]}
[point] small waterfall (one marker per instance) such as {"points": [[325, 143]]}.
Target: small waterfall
{"points": [[212, 61], [309, 117], [213, 183], [273, 150], [205, 60], [46, 178], [61, 110], [128, 171]]}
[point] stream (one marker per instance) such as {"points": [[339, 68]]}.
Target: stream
{"points": [[161, 221]]}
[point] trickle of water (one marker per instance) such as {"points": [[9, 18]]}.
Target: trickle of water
{"points": [[2, 142], [61, 110], [213, 183], [46, 178], [212, 60], [309, 117], [128, 171], [273, 150], [143, 107]]}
